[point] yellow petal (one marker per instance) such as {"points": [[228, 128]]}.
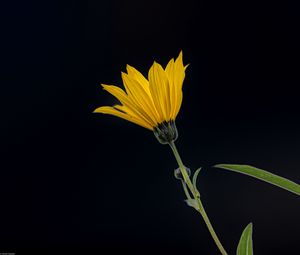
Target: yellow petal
{"points": [[139, 96], [116, 92], [159, 88], [125, 100], [179, 75], [132, 72], [112, 111], [170, 74]]}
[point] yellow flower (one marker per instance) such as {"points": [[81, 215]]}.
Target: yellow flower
{"points": [[152, 103]]}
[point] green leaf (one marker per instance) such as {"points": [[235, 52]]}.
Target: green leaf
{"points": [[245, 246], [264, 176], [195, 179]]}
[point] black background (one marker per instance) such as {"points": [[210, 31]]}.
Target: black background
{"points": [[76, 182]]}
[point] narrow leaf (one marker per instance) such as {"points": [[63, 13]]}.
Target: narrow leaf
{"points": [[195, 179], [264, 176], [245, 246]]}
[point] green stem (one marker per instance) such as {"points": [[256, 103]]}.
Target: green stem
{"points": [[185, 189], [197, 198]]}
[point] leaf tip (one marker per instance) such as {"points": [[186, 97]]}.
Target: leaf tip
{"points": [[218, 165], [250, 225]]}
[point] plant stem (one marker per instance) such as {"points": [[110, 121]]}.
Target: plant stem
{"points": [[196, 196], [185, 189]]}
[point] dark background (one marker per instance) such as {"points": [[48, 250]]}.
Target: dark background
{"points": [[76, 182]]}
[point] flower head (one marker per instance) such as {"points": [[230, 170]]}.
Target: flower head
{"points": [[152, 103]]}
